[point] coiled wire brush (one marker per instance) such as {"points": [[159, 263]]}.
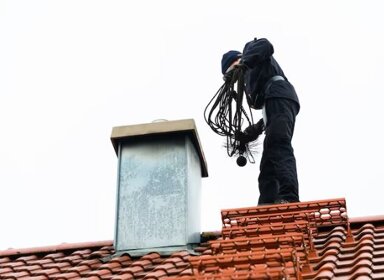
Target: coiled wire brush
{"points": [[225, 114]]}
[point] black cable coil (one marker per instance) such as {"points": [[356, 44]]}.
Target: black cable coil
{"points": [[225, 114]]}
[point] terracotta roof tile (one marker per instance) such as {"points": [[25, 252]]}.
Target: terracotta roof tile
{"points": [[5, 270], [80, 269], [61, 266], [40, 277], [113, 266], [91, 278], [27, 258], [157, 274], [41, 262], [83, 253], [92, 263], [103, 252], [13, 264], [133, 270], [165, 266], [15, 275], [100, 273], [306, 240], [123, 277], [49, 272], [29, 268], [66, 275], [54, 256], [184, 255], [123, 260]]}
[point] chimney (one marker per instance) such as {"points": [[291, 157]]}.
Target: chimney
{"points": [[160, 166]]}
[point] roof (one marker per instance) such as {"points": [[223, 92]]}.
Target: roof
{"points": [[306, 240]]}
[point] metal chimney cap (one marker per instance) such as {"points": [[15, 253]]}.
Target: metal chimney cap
{"points": [[187, 127]]}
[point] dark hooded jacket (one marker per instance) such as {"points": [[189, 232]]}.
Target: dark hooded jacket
{"points": [[261, 67]]}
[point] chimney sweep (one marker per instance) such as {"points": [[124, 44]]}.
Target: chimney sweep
{"points": [[256, 72]]}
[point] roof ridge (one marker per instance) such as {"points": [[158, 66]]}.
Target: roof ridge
{"points": [[55, 248], [366, 219]]}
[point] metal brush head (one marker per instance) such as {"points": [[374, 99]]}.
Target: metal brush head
{"points": [[241, 161]]}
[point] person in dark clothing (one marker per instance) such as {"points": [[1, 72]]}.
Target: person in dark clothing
{"points": [[267, 88]]}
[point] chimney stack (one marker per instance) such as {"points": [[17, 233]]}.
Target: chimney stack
{"points": [[160, 166]]}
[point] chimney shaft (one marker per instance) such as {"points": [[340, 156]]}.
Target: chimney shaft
{"points": [[160, 166]]}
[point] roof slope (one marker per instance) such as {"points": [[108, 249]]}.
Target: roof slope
{"points": [[307, 240]]}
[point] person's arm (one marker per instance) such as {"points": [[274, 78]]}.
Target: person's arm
{"points": [[256, 52]]}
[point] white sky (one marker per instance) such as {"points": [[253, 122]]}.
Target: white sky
{"points": [[72, 70]]}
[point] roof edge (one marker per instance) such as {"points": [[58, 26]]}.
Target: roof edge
{"points": [[366, 219], [55, 248]]}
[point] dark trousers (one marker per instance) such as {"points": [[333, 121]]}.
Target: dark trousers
{"points": [[278, 175]]}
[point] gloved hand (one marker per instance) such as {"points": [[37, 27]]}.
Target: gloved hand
{"points": [[240, 65], [228, 76], [242, 137], [252, 132], [231, 71]]}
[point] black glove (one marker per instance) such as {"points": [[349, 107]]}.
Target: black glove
{"points": [[253, 131], [242, 137], [227, 77], [241, 66]]}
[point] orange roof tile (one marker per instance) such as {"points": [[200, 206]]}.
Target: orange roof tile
{"points": [[306, 240]]}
